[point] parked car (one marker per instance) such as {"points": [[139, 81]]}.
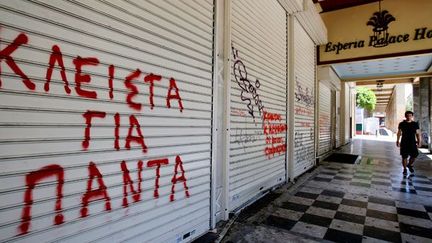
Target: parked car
{"points": [[385, 132]]}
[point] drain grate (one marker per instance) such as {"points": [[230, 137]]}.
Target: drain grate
{"points": [[342, 158]]}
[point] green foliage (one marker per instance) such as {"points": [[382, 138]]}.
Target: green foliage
{"points": [[366, 98]]}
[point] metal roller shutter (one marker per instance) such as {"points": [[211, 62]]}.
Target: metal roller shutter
{"points": [[304, 100], [257, 99], [324, 120], [116, 147], [337, 122]]}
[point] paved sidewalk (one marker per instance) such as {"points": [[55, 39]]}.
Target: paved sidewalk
{"points": [[368, 202]]}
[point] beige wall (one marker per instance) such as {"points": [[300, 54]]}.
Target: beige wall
{"points": [[347, 110], [396, 108], [423, 116], [349, 25]]}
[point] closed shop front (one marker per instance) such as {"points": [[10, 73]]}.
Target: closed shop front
{"points": [[324, 120], [257, 99], [338, 119], [106, 118], [304, 100], [329, 111]]}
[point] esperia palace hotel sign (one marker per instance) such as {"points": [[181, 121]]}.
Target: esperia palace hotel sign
{"points": [[383, 35], [380, 37]]}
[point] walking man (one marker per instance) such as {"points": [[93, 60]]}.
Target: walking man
{"points": [[410, 130]]}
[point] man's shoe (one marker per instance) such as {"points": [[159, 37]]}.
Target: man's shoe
{"points": [[411, 169], [404, 172]]}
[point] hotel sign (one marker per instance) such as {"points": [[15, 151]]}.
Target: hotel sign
{"points": [[418, 34], [404, 28]]}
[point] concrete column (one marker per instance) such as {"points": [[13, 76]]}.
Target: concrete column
{"points": [[396, 108], [416, 99], [400, 102], [430, 114], [345, 115], [423, 116]]}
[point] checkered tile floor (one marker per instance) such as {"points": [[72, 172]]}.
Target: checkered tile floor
{"points": [[359, 203], [377, 178]]}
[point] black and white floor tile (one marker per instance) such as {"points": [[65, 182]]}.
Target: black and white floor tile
{"points": [[371, 201], [359, 203]]}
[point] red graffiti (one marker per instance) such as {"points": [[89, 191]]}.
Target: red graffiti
{"points": [[88, 116], [272, 116], [324, 123], [306, 124], [276, 144], [298, 110], [137, 139], [32, 179], [133, 125], [84, 78], [133, 89], [276, 140], [274, 128], [175, 179], [56, 57], [117, 131], [271, 151], [170, 96], [150, 79], [92, 195], [158, 163], [323, 119], [237, 112], [101, 192], [136, 194], [6, 54], [110, 81]]}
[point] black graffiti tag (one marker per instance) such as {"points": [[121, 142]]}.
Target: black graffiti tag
{"points": [[248, 90], [304, 96], [242, 137], [425, 138], [302, 151]]}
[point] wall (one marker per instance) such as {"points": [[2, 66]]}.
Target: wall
{"points": [[186, 123], [234, 39], [328, 79], [423, 109], [324, 121], [258, 89], [105, 120], [346, 112], [219, 171], [416, 98], [430, 116], [352, 111], [396, 108], [422, 97]]}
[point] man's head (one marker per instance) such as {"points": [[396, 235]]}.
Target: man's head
{"points": [[409, 115]]}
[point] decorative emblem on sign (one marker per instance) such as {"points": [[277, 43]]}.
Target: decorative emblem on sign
{"points": [[380, 21], [379, 84]]}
